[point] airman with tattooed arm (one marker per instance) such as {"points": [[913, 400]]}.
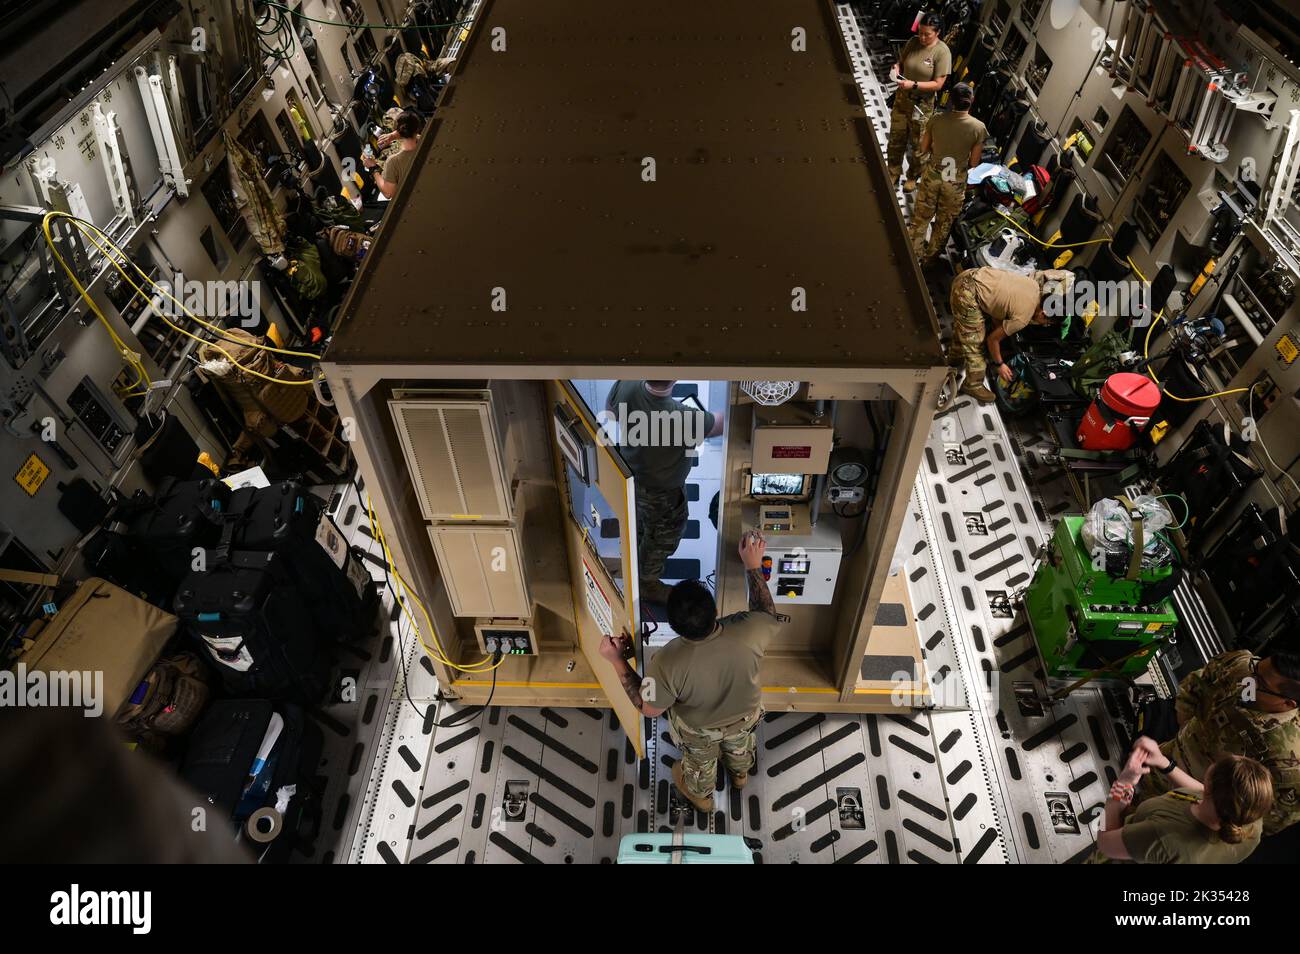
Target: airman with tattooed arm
{"points": [[707, 678]]}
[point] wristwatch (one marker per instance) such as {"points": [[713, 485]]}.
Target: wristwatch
{"points": [[1169, 768]]}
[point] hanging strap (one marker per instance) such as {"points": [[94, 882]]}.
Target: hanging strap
{"points": [[1135, 560]]}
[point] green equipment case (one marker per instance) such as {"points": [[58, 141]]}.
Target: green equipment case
{"points": [[1085, 620]]}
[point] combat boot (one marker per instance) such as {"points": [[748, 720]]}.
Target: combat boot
{"points": [[739, 781], [679, 779], [978, 391]]}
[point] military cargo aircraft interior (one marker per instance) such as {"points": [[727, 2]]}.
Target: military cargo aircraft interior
{"points": [[343, 521]]}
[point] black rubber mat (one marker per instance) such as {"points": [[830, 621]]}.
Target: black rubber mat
{"points": [[887, 668]]}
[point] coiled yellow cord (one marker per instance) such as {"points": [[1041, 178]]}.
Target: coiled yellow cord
{"points": [[131, 358]]}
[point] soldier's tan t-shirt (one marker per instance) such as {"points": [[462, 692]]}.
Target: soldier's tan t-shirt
{"points": [[952, 137], [1163, 831], [1010, 297], [660, 430], [924, 63], [398, 166], [713, 682]]}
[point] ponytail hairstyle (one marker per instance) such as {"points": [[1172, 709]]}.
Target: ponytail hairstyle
{"points": [[1241, 791]]}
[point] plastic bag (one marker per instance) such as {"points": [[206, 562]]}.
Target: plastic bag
{"points": [[1108, 528]]}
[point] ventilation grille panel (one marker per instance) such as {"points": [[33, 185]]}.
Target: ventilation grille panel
{"points": [[481, 568], [451, 452]]}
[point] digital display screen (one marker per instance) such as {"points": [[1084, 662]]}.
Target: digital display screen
{"points": [[794, 565], [776, 485]]}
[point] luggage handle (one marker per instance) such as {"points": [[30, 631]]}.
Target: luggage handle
{"points": [[669, 849]]}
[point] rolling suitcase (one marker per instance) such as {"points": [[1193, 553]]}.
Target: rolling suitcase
{"points": [[684, 848], [150, 544], [256, 762], [287, 519], [249, 616], [183, 515]]}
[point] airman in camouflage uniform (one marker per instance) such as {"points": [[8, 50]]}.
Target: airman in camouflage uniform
{"points": [[1012, 301], [953, 143], [923, 65], [1217, 715], [660, 458]]}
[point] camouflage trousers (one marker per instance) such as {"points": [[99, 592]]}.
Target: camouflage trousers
{"points": [[937, 200], [660, 522], [907, 124], [967, 329], [736, 743]]}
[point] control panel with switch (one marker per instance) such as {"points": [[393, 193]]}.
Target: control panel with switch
{"points": [[804, 566]]}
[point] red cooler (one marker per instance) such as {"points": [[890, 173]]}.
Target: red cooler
{"points": [[1119, 414]]}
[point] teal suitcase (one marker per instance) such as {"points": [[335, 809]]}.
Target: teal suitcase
{"points": [[689, 848]]}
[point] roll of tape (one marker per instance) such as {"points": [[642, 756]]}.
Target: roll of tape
{"points": [[256, 830]]}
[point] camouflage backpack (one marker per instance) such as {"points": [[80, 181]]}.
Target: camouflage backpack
{"points": [[169, 699]]}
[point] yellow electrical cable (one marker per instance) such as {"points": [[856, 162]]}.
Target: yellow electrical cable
{"points": [[131, 358], [175, 327], [404, 588], [1146, 355], [215, 329], [127, 354], [1146, 349], [1050, 244], [406, 593]]}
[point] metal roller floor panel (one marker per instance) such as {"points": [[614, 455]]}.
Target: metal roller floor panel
{"points": [[986, 776]]}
